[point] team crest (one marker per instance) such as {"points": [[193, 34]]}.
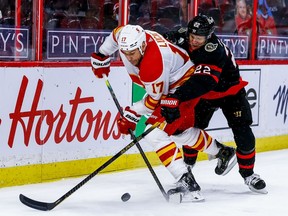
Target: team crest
{"points": [[210, 47]]}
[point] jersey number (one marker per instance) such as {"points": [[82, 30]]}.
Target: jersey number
{"points": [[158, 87], [202, 69]]}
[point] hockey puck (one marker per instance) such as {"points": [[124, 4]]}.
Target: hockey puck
{"points": [[125, 197]]}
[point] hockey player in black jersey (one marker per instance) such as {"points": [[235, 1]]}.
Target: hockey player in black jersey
{"points": [[218, 84]]}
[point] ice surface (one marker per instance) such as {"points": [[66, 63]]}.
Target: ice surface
{"points": [[225, 195]]}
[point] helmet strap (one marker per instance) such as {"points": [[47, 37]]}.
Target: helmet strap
{"points": [[140, 48]]}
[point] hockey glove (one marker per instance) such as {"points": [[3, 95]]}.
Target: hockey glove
{"points": [[100, 64], [172, 36], [170, 109], [128, 121], [176, 37]]}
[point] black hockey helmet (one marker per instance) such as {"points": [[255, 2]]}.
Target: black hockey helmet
{"points": [[201, 25]]}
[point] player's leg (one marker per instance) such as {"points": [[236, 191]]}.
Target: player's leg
{"points": [[195, 139], [203, 114], [189, 155], [226, 156], [238, 114], [171, 157]]}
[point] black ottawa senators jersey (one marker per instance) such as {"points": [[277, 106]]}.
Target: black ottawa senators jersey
{"points": [[216, 74]]}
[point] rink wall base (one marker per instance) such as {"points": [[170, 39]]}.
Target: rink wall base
{"points": [[54, 171]]}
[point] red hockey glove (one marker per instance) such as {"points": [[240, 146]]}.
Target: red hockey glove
{"points": [[100, 64], [170, 109], [128, 121]]}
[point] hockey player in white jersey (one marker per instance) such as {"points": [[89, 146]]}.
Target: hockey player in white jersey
{"points": [[159, 67]]}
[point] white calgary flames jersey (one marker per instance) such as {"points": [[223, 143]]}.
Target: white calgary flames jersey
{"points": [[162, 69]]}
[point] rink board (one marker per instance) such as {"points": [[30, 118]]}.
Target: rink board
{"points": [[61, 122]]}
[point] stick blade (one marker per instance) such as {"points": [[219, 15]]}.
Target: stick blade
{"points": [[43, 206]]}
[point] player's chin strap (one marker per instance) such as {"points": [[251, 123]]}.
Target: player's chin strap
{"points": [[137, 143], [141, 50]]}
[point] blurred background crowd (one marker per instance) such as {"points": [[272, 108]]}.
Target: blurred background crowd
{"points": [[231, 16]]}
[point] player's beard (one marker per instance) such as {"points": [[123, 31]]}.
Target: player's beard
{"points": [[137, 63]]}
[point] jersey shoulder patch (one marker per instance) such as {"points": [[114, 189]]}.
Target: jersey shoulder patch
{"points": [[210, 47]]}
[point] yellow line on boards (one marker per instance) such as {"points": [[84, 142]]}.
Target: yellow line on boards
{"points": [[12, 176]]}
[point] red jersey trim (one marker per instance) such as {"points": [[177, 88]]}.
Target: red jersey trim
{"points": [[151, 66], [231, 91]]}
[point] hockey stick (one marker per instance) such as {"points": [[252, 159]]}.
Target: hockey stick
{"points": [[45, 206], [166, 196]]}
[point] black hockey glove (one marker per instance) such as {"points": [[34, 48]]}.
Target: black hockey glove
{"points": [[176, 37], [170, 109], [172, 36]]}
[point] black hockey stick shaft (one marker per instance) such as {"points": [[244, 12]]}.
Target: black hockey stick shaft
{"points": [[137, 143], [45, 206]]}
